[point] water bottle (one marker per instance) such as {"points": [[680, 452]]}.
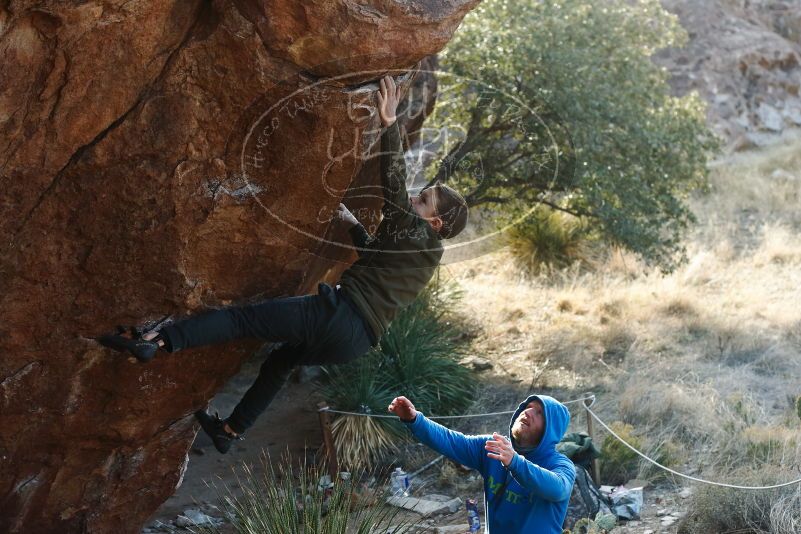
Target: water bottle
{"points": [[347, 482], [399, 483], [473, 521]]}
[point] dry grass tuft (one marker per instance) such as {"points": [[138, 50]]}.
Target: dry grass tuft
{"points": [[761, 512], [547, 240], [679, 307], [612, 309]]}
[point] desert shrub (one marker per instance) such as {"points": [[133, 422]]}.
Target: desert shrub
{"points": [[686, 413], [291, 502], [770, 445], [716, 509], [617, 340], [618, 462], [602, 524], [421, 354], [547, 239], [666, 452], [361, 441], [418, 357]]}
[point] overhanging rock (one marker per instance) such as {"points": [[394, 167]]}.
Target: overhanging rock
{"points": [[125, 133]]}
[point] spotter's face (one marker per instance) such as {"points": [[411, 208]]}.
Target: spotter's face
{"points": [[529, 426]]}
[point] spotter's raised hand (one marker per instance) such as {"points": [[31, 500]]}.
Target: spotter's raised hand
{"points": [[403, 408], [500, 448]]}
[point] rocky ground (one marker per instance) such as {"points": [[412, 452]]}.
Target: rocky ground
{"points": [[291, 424]]}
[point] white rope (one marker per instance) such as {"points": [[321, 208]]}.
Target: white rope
{"points": [[378, 416], [688, 477], [588, 407], [465, 416]]}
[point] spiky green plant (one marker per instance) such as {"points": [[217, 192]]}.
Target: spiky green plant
{"points": [[417, 357], [547, 239], [360, 386], [289, 501], [422, 355]]}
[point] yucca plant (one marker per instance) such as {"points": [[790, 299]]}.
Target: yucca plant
{"points": [[290, 502], [417, 357], [547, 239], [361, 442], [422, 356]]}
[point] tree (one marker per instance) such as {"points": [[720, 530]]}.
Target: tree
{"points": [[558, 103]]}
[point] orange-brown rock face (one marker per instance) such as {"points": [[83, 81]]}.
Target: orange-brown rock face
{"points": [[336, 36], [162, 157]]}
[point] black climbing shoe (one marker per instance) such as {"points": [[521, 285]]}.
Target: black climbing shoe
{"points": [[215, 428], [143, 350]]}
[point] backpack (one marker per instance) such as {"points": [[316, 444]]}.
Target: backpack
{"points": [[586, 500]]}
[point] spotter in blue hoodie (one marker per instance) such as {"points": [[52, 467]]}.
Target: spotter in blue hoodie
{"points": [[532, 494]]}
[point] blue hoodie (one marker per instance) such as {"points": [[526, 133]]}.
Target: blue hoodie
{"points": [[539, 484]]}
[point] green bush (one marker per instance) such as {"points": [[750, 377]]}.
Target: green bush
{"points": [[618, 463], [547, 239], [361, 442], [559, 103], [418, 357], [290, 502]]}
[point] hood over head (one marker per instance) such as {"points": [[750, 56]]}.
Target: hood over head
{"points": [[557, 419]]}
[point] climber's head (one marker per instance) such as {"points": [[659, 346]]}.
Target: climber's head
{"points": [[443, 208]]}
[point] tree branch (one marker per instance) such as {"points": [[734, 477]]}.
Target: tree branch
{"points": [[575, 213]]}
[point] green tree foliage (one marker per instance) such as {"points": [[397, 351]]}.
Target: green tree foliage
{"points": [[559, 103]]}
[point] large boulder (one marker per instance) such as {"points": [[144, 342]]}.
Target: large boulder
{"points": [[164, 157]]}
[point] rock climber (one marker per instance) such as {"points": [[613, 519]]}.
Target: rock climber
{"points": [[337, 324]]}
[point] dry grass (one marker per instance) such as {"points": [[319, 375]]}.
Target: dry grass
{"points": [[769, 512], [705, 358]]}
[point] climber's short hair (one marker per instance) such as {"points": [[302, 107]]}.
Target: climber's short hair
{"points": [[452, 209]]}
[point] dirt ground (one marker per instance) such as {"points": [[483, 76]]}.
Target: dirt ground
{"points": [[290, 424]]}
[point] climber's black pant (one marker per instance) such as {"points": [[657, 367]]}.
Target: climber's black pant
{"points": [[316, 329]]}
